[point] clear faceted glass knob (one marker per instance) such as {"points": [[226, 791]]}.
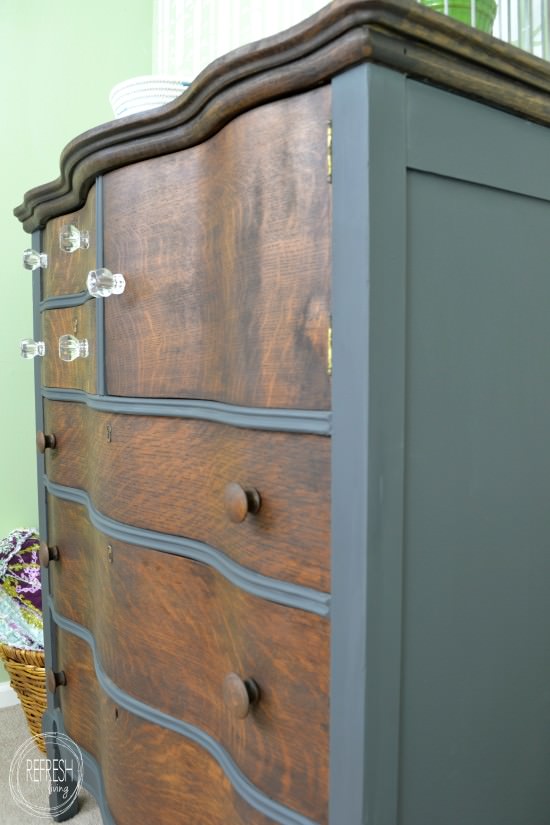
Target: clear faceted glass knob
{"points": [[33, 260], [31, 348], [71, 348], [72, 238], [102, 282]]}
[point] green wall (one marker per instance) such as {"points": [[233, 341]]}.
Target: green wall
{"points": [[59, 59]]}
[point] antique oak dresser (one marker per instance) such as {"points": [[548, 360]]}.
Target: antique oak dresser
{"points": [[293, 402]]}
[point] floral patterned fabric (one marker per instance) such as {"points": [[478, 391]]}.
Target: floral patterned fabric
{"points": [[21, 591]]}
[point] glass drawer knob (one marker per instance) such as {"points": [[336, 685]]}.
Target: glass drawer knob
{"points": [[30, 348], [102, 283], [72, 238], [33, 260], [71, 348]]}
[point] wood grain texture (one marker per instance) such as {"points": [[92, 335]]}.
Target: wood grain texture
{"points": [[66, 272], [194, 628], [170, 475], [151, 774], [81, 373], [226, 253], [400, 34]]}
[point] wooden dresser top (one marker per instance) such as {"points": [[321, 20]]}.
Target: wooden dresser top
{"points": [[400, 34]]}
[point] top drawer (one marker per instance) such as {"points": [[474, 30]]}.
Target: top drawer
{"points": [[226, 252], [67, 271]]}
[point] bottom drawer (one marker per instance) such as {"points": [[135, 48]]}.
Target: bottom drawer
{"points": [[151, 774]]}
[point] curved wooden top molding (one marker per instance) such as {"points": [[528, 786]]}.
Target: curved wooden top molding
{"points": [[400, 34]]}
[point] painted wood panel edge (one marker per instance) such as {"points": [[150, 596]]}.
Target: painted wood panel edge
{"points": [[249, 792], [401, 34], [100, 306], [310, 422], [368, 294], [264, 587], [8, 697], [50, 641]]}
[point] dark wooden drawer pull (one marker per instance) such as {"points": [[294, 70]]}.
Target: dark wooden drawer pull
{"points": [[240, 695], [55, 680], [47, 554], [239, 502], [45, 441]]}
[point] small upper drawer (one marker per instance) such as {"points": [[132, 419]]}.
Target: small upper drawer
{"points": [[78, 321], [66, 272], [180, 477], [226, 252]]}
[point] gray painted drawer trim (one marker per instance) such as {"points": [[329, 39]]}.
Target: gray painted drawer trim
{"points": [[273, 590], [62, 301], [313, 422], [249, 792]]}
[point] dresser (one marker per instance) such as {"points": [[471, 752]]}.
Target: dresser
{"points": [[293, 393]]}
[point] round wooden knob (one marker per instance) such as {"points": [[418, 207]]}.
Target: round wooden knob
{"points": [[240, 695], [239, 502], [45, 441], [54, 680], [47, 554]]}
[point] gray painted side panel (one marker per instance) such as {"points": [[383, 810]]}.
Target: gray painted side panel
{"points": [[476, 670], [441, 464], [457, 137]]}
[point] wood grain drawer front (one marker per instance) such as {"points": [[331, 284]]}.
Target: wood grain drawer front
{"points": [[226, 251], [78, 374], [151, 774], [169, 631], [67, 271], [170, 475]]}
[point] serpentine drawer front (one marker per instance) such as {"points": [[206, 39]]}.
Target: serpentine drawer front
{"points": [[291, 347], [196, 630], [155, 762], [175, 476]]}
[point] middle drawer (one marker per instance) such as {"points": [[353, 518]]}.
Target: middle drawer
{"points": [[172, 476]]}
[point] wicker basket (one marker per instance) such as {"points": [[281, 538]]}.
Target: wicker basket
{"points": [[28, 678]]}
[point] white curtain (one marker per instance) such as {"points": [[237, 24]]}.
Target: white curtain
{"points": [[189, 34]]}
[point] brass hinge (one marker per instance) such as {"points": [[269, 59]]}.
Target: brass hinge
{"points": [[329, 350], [329, 151]]}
